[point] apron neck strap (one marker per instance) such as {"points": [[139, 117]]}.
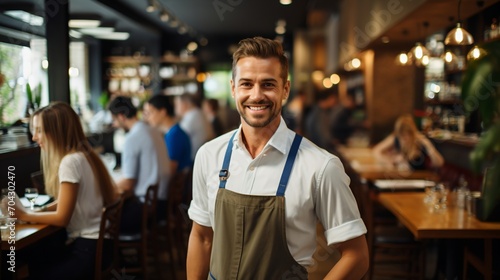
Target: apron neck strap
{"points": [[288, 165], [224, 172]]}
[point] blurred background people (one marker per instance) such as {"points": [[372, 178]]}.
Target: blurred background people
{"points": [[210, 108], [193, 121], [318, 121], [159, 113], [407, 146], [145, 162], [342, 124], [297, 110], [75, 175]]}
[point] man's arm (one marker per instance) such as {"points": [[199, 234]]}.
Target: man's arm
{"points": [[199, 250], [126, 187], [354, 260]]}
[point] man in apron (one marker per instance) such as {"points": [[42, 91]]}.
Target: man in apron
{"points": [[258, 191]]}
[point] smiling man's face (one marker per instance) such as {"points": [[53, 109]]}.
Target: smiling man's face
{"points": [[258, 90]]}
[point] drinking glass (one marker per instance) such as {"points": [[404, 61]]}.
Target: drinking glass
{"points": [[31, 194], [440, 197]]}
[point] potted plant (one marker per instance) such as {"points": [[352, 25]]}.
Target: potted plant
{"points": [[481, 91]]}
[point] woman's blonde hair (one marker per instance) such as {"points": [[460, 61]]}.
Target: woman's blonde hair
{"points": [[406, 126], [62, 134]]}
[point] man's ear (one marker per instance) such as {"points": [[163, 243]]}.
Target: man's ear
{"points": [[287, 90], [232, 88]]}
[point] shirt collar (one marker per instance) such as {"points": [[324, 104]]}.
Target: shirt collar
{"points": [[281, 139]]}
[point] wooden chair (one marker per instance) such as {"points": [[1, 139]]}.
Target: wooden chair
{"points": [[148, 231], [390, 242], [173, 228], [483, 265], [109, 229]]}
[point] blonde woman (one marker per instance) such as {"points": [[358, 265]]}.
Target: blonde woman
{"points": [[77, 178], [406, 145]]}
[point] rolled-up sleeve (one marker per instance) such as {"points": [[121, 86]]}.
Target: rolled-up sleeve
{"points": [[336, 206], [198, 209]]}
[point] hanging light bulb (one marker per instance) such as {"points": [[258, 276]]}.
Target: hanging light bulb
{"points": [[419, 55], [403, 59], [458, 36], [475, 53], [152, 6], [425, 60]]}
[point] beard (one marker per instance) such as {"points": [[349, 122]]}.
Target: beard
{"points": [[261, 120]]}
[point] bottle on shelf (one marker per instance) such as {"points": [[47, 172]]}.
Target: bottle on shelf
{"points": [[494, 28]]}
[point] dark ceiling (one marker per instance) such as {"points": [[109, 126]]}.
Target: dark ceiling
{"points": [[215, 18], [223, 21], [246, 17]]}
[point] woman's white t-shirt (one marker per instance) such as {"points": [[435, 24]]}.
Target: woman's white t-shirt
{"points": [[86, 217]]}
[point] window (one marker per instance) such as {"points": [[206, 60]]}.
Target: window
{"points": [[20, 65]]}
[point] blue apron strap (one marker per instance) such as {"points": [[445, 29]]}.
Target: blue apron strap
{"points": [[224, 172], [288, 165]]}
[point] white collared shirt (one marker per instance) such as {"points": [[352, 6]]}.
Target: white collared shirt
{"points": [[318, 188]]}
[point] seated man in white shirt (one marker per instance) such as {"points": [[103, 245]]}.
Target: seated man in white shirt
{"points": [[145, 162]]}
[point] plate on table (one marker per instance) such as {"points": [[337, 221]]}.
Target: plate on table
{"points": [[403, 184], [42, 199]]}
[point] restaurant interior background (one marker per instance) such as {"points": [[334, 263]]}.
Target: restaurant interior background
{"points": [[85, 51], [141, 48]]}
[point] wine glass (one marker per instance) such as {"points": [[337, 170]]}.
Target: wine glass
{"points": [[31, 194]]}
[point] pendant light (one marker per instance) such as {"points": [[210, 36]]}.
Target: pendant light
{"points": [[402, 59], [459, 36], [419, 54], [475, 53]]}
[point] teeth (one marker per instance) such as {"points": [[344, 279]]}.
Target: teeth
{"points": [[257, 108]]}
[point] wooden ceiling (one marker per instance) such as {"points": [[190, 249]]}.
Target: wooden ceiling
{"points": [[438, 14]]}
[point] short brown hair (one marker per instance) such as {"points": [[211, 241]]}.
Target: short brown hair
{"points": [[261, 48]]}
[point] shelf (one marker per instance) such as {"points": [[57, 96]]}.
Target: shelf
{"points": [[491, 40], [129, 59], [180, 79], [178, 60], [443, 102], [454, 71]]}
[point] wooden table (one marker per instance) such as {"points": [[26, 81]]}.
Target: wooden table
{"points": [[453, 222], [450, 223], [364, 163], [28, 234]]}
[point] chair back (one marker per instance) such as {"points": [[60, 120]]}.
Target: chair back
{"points": [[149, 209], [109, 229], [177, 188]]}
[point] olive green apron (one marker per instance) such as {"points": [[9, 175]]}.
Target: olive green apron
{"points": [[249, 234]]}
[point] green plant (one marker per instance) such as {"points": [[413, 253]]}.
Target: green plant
{"points": [[34, 96], [104, 99], [481, 91]]}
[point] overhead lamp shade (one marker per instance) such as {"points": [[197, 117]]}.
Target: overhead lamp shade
{"points": [[475, 53], [449, 57], [419, 55], [458, 37]]}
